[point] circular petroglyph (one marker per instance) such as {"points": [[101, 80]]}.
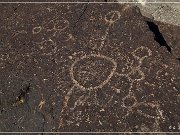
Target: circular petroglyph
{"points": [[92, 71], [129, 101], [112, 16], [136, 74], [141, 53], [36, 30]]}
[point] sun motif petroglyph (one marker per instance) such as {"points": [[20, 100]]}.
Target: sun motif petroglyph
{"points": [[91, 71], [97, 70]]}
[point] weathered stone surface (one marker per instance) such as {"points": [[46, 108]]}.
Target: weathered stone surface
{"points": [[171, 35], [166, 35], [84, 67]]}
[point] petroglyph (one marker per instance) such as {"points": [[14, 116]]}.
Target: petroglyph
{"points": [[136, 75], [61, 25], [129, 101], [141, 53], [47, 46], [97, 66], [36, 30], [85, 74], [147, 109], [110, 18]]}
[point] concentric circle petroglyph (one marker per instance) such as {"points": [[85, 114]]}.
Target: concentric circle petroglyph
{"points": [[92, 71]]}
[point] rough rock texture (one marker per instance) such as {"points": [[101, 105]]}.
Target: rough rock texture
{"points": [[166, 35], [171, 35], [160, 10], [85, 67]]}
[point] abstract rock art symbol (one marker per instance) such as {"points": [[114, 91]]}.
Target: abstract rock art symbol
{"points": [[36, 30], [142, 52], [112, 16], [136, 74], [129, 101], [92, 71], [47, 46], [61, 25]]}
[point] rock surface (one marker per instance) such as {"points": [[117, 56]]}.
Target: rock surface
{"points": [[171, 35], [85, 67], [166, 11]]}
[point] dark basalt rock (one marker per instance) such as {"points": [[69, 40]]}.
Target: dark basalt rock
{"points": [[171, 35], [167, 35], [87, 67]]}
